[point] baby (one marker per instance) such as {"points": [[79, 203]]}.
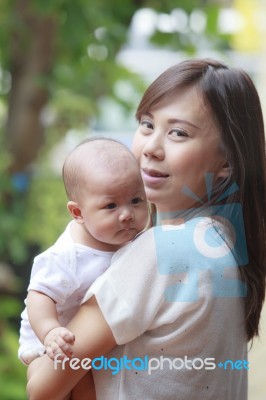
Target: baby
{"points": [[107, 201]]}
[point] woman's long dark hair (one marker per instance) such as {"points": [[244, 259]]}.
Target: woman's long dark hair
{"points": [[233, 101]]}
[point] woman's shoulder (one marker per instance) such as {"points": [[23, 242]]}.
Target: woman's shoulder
{"points": [[162, 240], [143, 243], [152, 242]]}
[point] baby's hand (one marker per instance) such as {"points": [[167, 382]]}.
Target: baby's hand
{"points": [[58, 342]]}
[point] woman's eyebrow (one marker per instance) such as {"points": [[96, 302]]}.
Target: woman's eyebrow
{"points": [[148, 114], [174, 120], [178, 120]]}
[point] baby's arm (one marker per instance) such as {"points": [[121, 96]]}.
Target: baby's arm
{"points": [[44, 321], [93, 339]]}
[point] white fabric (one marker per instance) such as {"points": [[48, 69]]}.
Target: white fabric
{"points": [[133, 295], [63, 272]]}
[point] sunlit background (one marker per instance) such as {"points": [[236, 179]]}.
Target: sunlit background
{"points": [[73, 69]]}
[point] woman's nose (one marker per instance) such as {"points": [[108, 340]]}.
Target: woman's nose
{"points": [[154, 147]]}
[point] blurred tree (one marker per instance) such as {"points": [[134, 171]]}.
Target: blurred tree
{"points": [[45, 48], [31, 57]]}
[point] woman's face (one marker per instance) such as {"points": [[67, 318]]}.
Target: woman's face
{"points": [[177, 143]]}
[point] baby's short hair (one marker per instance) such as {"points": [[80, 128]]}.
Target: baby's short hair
{"points": [[91, 153]]}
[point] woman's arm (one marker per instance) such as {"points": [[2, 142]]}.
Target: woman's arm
{"points": [[55, 379]]}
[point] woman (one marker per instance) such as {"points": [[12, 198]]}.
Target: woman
{"points": [[176, 309]]}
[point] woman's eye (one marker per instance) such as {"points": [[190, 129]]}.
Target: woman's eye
{"points": [[146, 124], [136, 200], [178, 133], [110, 206]]}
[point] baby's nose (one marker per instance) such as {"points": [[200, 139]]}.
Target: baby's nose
{"points": [[126, 214]]}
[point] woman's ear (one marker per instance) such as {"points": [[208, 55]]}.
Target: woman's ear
{"points": [[225, 171], [75, 211]]}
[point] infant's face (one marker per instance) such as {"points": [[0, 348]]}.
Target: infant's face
{"points": [[115, 208]]}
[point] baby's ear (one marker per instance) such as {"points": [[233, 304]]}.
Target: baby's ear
{"points": [[75, 211]]}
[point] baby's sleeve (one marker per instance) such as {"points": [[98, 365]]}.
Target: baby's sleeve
{"points": [[53, 273]]}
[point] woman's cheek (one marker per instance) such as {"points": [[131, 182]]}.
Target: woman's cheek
{"points": [[136, 151], [137, 146]]}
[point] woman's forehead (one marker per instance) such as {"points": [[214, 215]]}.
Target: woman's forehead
{"points": [[187, 100]]}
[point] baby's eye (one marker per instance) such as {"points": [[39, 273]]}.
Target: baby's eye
{"points": [[110, 206], [136, 200]]}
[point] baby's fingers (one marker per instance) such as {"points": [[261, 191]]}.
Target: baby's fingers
{"points": [[64, 347], [54, 350], [68, 336]]}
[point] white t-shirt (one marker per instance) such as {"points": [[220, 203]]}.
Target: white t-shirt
{"points": [[64, 272], [169, 304]]}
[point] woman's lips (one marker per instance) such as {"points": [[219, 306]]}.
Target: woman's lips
{"points": [[153, 176]]}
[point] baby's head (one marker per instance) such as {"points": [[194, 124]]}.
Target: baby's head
{"points": [[106, 193]]}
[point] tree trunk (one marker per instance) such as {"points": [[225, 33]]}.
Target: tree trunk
{"points": [[33, 36]]}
